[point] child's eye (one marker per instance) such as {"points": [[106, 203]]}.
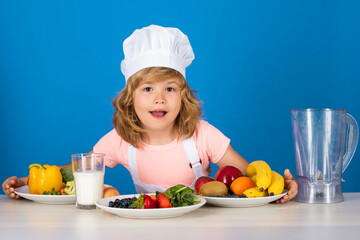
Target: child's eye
{"points": [[170, 89], [147, 89]]}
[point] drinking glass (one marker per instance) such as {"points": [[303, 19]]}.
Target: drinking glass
{"points": [[89, 170]]}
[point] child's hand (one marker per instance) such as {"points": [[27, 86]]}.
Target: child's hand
{"points": [[9, 186], [291, 185]]}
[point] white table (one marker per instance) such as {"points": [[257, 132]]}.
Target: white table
{"points": [[24, 219]]}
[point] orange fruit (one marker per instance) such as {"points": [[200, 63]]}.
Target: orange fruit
{"points": [[239, 185], [110, 192], [153, 196]]}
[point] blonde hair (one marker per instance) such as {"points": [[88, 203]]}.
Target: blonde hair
{"points": [[127, 123]]}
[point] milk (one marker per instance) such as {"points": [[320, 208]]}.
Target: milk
{"points": [[88, 187]]}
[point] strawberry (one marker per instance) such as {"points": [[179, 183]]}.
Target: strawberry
{"points": [[148, 202], [162, 201], [144, 201]]}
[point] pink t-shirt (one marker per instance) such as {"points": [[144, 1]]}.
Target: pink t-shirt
{"points": [[166, 165]]}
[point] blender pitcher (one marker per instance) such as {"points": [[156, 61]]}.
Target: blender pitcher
{"points": [[319, 136]]}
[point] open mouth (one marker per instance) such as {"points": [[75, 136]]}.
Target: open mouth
{"points": [[158, 113]]}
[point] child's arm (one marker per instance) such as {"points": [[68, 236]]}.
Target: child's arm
{"points": [[232, 158], [11, 183], [291, 185]]}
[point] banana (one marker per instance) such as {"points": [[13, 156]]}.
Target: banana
{"points": [[277, 184], [253, 178], [254, 192], [262, 171]]}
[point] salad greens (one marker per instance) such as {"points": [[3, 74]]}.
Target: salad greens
{"points": [[180, 195], [52, 192]]}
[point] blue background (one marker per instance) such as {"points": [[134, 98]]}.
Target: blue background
{"points": [[255, 60]]}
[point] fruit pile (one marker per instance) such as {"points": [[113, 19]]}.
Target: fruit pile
{"points": [[259, 181], [176, 196]]}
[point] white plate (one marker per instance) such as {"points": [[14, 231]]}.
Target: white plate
{"points": [[242, 202], [146, 213], [47, 199]]}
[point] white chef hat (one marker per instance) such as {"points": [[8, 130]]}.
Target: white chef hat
{"points": [[156, 46]]}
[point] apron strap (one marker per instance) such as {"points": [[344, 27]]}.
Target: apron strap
{"points": [[193, 156], [132, 164], [139, 186]]}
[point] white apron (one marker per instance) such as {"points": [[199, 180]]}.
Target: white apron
{"points": [[193, 157]]}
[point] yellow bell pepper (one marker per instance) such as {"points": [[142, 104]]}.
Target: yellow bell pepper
{"points": [[44, 178]]}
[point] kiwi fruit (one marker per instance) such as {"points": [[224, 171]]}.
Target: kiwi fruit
{"points": [[213, 188]]}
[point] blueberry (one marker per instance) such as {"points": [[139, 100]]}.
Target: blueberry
{"points": [[123, 203]]}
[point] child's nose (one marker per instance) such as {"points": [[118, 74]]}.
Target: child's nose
{"points": [[159, 99]]}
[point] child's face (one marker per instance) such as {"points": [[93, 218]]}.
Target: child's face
{"points": [[157, 104]]}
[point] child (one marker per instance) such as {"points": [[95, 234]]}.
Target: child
{"points": [[158, 135]]}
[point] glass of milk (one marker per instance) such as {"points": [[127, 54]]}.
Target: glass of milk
{"points": [[89, 170]]}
